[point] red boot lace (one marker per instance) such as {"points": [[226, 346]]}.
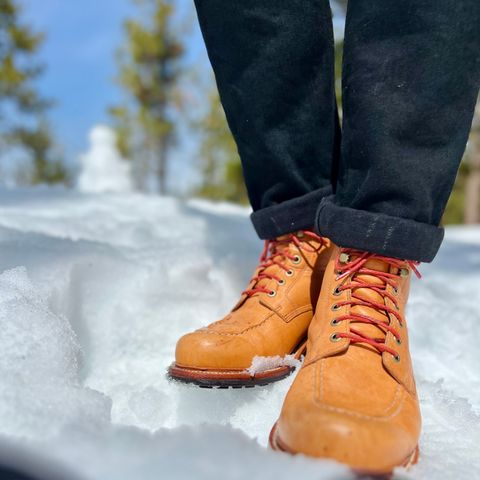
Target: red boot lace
{"points": [[357, 267], [274, 254]]}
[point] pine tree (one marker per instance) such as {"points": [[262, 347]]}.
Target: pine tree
{"points": [[22, 108], [149, 72], [18, 47], [48, 167], [220, 167]]}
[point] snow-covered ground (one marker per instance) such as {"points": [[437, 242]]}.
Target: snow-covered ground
{"points": [[94, 292]]}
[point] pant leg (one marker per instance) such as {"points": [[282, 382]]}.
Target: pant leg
{"points": [[274, 65], [411, 79]]}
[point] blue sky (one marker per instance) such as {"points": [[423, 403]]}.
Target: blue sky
{"points": [[79, 56], [79, 53]]}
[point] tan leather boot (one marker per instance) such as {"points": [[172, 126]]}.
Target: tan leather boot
{"points": [[354, 400], [270, 320]]}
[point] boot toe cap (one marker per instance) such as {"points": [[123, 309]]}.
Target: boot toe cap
{"points": [[371, 444], [208, 350], [363, 448]]}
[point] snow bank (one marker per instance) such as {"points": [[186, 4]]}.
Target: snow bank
{"points": [[39, 366], [96, 289]]}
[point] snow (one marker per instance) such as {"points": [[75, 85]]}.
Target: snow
{"points": [[102, 167], [96, 288], [262, 364]]}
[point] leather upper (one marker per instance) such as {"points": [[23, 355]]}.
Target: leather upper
{"points": [[350, 402], [263, 323]]}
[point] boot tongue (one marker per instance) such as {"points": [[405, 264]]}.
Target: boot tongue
{"points": [[367, 294], [376, 264]]}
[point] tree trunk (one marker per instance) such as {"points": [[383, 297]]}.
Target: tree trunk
{"points": [[162, 165], [472, 186]]}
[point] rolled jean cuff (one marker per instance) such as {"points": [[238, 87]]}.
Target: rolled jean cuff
{"points": [[377, 232], [289, 216]]}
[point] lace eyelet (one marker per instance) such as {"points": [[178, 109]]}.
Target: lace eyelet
{"points": [[296, 259], [398, 341], [396, 358], [271, 293], [335, 338], [289, 273], [337, 292], [335, 322], [395, 290], [281, 281], [335, 307], [404, 272]]}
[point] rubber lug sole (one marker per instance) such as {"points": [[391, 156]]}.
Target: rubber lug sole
{"points": [[232, 378], [277, 445]]}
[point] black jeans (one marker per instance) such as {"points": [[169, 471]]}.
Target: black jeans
{"points": [[411, 74]]}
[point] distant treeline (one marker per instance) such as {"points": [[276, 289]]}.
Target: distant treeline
{"points": [[156, 78]]}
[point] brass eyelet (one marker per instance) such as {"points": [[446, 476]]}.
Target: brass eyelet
{"points": [[271, 293], [335, 338], [404, 272], [337, 292], [289, 273], [344, 258], [296, 259], [335, 322], [396, 357], [336, 307], [281, 281], [398, 341]]}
